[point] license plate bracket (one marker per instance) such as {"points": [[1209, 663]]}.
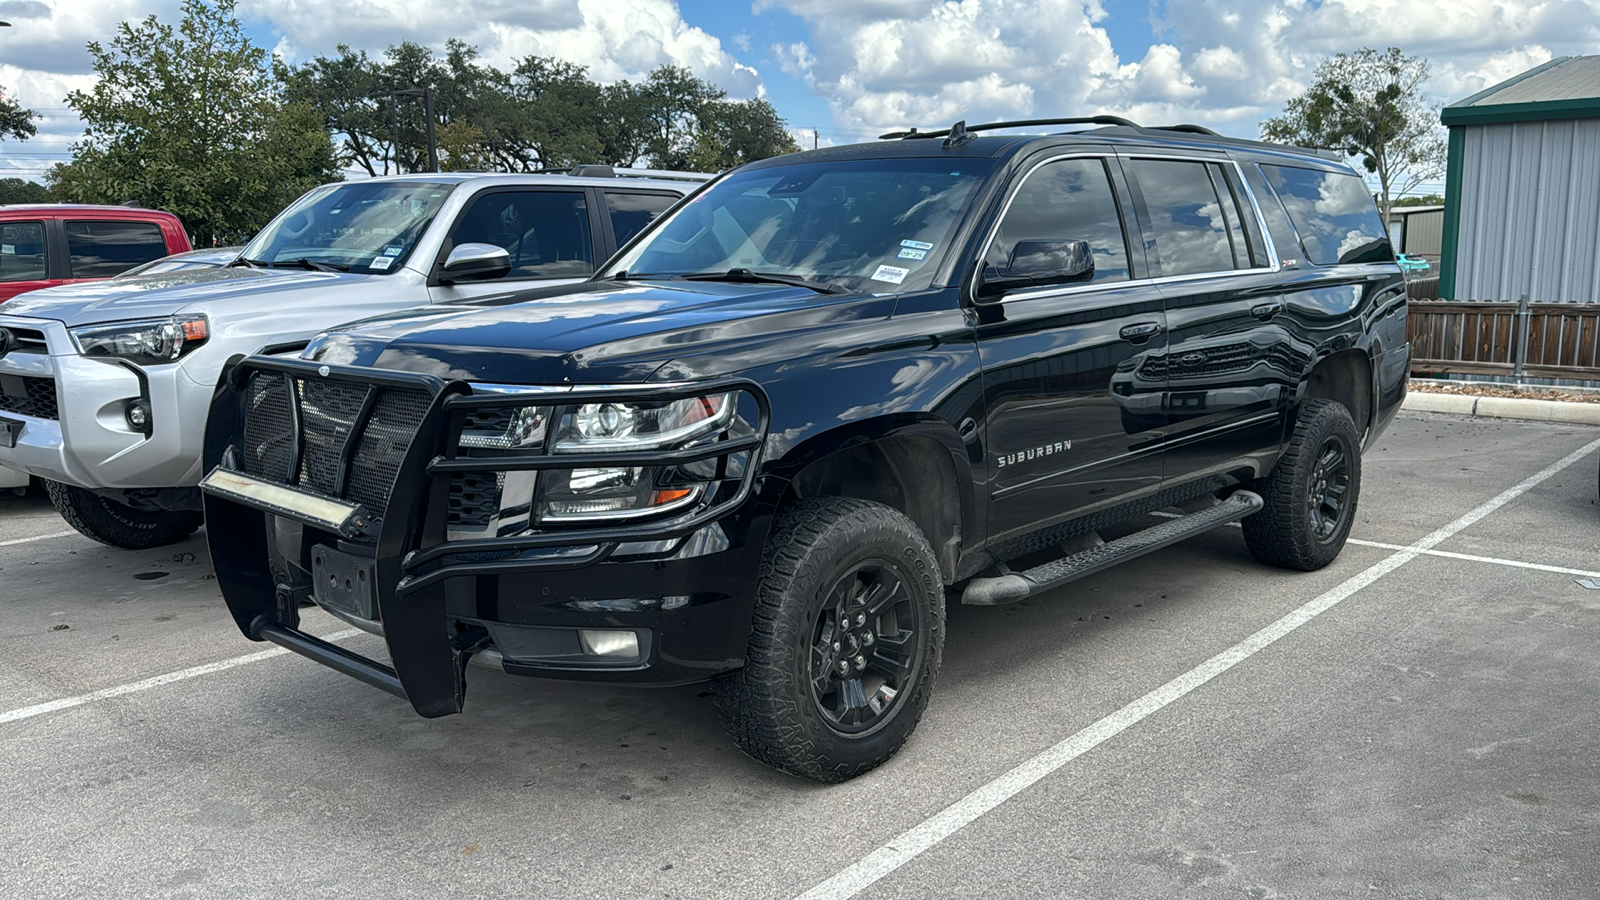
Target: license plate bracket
{"points": [[343, 581], [10, 430]]}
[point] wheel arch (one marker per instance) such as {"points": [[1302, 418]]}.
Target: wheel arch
{"points": [[1345, 377], [918, 466]]}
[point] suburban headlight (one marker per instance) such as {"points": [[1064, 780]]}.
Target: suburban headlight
{"points": [[625, 492], [147, 341], [600, 427]]}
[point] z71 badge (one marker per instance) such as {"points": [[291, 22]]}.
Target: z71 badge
{"points": [[1011, 459]]}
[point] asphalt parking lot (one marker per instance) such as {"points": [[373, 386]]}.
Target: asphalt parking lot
{"points": [[1416, 720]]}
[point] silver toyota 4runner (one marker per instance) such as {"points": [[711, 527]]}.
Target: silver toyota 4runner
{"points": [[104, 387]]}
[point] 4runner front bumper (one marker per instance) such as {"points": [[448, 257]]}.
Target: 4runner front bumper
{"points": [[351, 486], [72, 414]]}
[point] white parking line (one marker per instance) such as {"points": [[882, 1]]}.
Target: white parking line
{"points": [[39, 709], [1495, 560], [37, 537], [958, 815]]}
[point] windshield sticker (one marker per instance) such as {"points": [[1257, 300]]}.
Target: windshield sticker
{"points": [[908, 253], [393, 251], [917, 245], [890, 274], [382, 262]]}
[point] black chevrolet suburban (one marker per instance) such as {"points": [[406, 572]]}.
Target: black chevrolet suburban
{"points": [[812, 403]]}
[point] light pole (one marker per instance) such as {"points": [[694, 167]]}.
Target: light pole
{"points": [[427, 110]]}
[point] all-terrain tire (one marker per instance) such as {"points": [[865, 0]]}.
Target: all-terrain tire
{"points": [[829, 563], [1311, 493], [110, 522]]}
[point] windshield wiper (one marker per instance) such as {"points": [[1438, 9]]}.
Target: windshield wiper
{"points": [[247, 263], [309, 265], [746, 276]]}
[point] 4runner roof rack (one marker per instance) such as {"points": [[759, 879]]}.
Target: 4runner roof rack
{"points": [[601, 170], [955, 131]]}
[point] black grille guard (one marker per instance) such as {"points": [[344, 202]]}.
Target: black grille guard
{"points": [[412, 557]]}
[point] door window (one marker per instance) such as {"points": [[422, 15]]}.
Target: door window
{"points": [[546, 232], [22, 251], [1337, 219], [1066, 200], [104, 249], [1193, 228], [630, 213]]}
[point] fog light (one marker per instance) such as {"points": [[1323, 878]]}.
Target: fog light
{"points": [[623, 644], [138, 416]]}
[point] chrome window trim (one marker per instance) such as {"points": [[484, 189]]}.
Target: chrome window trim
{"points": [[1062, 290]]}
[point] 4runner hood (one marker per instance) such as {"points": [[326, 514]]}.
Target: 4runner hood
{"points": [[611, 333], [93, 302]]}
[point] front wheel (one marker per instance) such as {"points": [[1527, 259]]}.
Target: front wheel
{"points": [[119, 525], [849, 633], [1311, 493]]}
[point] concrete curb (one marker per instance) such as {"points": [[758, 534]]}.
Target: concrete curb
{"points": [[1504, 408]]}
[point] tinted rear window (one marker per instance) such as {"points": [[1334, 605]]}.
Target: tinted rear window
{"points": [[1335, 215], [22, 251], [104, 249], [630, 213]]}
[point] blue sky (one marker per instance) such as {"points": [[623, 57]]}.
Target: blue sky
{"points": [[854, 68]]}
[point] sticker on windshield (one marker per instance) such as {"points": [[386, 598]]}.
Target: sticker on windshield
{"points": [[393, 251], [381, 262], [917, 245], [908, 253], [890, 274]]}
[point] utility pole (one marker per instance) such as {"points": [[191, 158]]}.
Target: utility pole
{"points": [[815, 141]]}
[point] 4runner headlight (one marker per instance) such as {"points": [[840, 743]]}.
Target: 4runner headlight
{"points": [[149, 341]]}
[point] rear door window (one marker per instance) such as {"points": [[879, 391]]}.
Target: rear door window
{"points": [[631, 212], [1195, 228], [1066, 200], [104, 249], [22, 251], [546, 232], [1334, 213]]}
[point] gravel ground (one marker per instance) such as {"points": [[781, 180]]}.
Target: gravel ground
{"points": [[1481, 389]]}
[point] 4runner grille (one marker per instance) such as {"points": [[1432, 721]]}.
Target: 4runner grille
{"points": [[28, 395], [338, 428]]}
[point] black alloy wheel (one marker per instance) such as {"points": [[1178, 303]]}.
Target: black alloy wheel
{"points": [[1330, 483], [865, 648]]}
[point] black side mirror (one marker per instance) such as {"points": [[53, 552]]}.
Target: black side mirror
{"points": [[475, 262], [1038, 263]]}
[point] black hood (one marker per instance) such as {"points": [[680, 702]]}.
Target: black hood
{"points": [[609, 333]]}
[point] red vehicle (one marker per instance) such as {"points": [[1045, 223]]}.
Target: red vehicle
{"points": [[46, 244]]}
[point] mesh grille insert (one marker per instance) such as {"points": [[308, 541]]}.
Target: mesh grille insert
{"points": [[268, 428], [27, 395], [328, 413], [395, 418]]}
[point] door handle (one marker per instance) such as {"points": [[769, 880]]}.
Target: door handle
{"points": [[1140, 332], [1267, 310]]}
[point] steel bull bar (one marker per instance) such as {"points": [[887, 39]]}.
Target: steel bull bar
{"points": [[412, 560]]}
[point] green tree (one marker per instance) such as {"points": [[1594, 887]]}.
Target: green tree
{"points": [[16, 120], [733, 133], [15, 190], [191, 120], [1370, 106]]}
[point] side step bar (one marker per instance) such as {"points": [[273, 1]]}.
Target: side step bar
{"points": [[1015, 586], [334, 657]]}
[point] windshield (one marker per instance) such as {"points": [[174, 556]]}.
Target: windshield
{"points": [[868, 225], [360, 226]]}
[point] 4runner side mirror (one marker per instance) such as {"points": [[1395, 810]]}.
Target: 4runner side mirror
{"points": [[1038, 263], [475, 262]]}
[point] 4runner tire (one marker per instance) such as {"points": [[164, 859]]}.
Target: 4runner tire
{"points": [[848, 636], [1311, 494], [110, 522]]}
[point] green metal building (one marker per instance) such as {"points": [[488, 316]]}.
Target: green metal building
{"points": [[1522, 191]]}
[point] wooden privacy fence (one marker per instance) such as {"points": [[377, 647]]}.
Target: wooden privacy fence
{"points": [[1539, 340]]}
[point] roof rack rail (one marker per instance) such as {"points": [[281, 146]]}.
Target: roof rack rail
{"points": [[1187, 129], [1018, 123], [602, 170]]}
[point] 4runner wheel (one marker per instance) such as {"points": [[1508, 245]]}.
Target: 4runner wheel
{"points": [[110, 522], [849, 632], [1311, 494]]}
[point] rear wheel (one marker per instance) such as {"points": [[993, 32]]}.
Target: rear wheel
{"points": [[849, 632], [117, 524], [1311, 493]]}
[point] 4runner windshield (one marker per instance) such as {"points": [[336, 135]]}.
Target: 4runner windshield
{"points": [[868, 225], [358, 226]]}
